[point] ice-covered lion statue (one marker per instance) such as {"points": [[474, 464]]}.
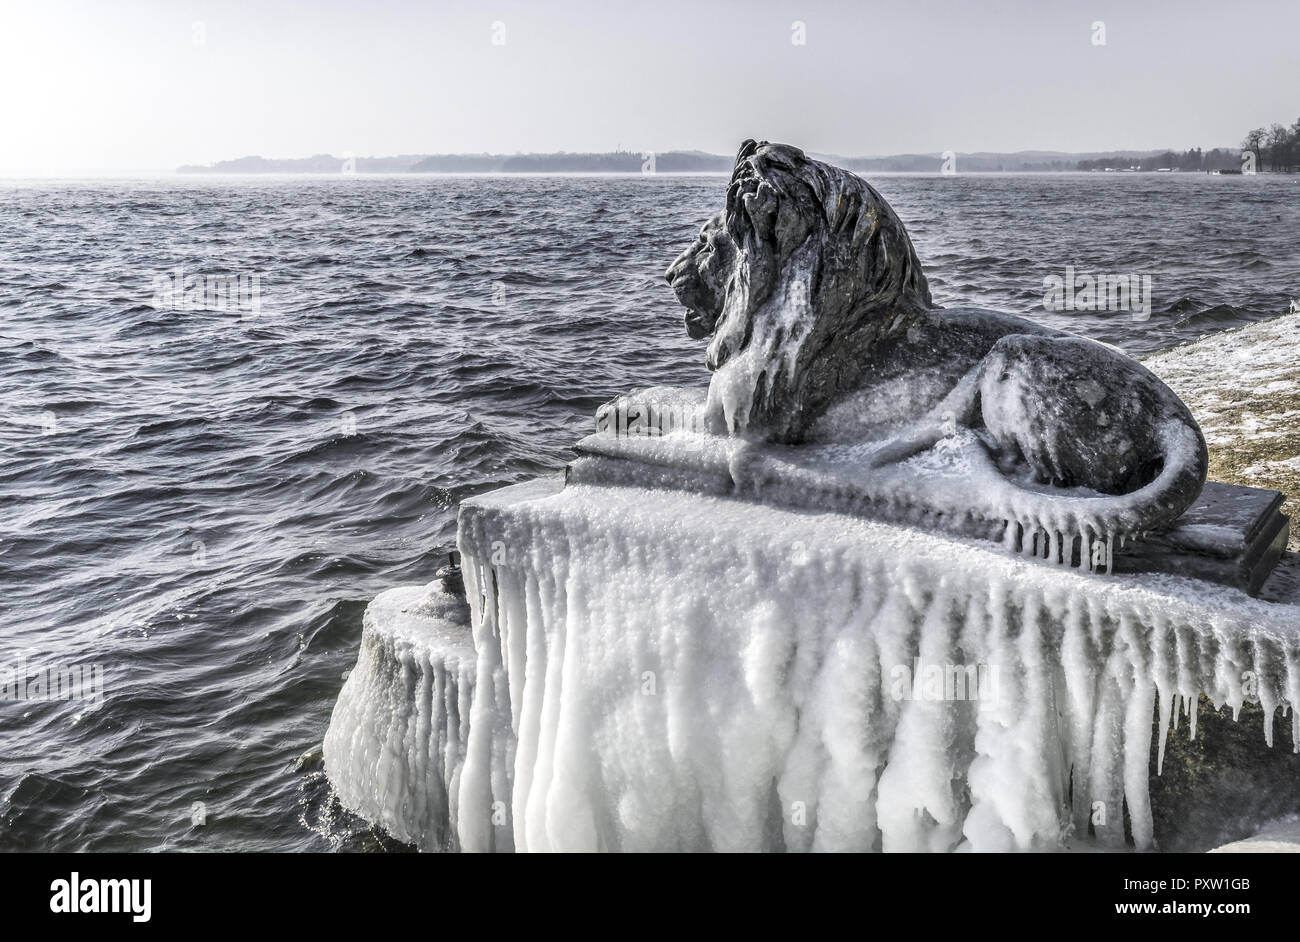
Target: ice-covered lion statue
{"points": [[823, 330]]}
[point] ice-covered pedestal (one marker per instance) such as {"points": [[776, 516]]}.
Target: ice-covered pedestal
{"points": [[675, 671], [396, 742]]}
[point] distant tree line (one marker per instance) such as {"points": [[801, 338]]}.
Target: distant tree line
{"points": [[617, 162], [977, 163], [1277, 144], [1276, 148], [1194, 159]]}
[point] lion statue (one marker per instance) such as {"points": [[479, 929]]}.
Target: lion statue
{"points": [[823, 330]]}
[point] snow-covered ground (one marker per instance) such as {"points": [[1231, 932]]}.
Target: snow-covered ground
{"points": [[1277, 837], [1243, 387]]}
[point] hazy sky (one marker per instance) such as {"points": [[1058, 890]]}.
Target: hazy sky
{"points": [[137, 85]]}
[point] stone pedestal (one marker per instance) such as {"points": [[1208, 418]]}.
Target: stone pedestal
{"points": [[659, 670], [1232, 535]]}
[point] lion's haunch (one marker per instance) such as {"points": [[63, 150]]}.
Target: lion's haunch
{"points": [[1077, 418]]}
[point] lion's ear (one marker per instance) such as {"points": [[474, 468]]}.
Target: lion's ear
{"points": [[747, 149]]}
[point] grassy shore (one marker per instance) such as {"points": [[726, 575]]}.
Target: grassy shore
{"points": [[1243, 386]]}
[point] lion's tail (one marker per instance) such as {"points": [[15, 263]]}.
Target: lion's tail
{"points": [[1068, 529]]}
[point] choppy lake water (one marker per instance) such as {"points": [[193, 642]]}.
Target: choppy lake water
{"points": [[201, 502]]}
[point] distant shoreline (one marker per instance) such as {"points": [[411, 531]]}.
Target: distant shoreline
{"points": [[698, 162], [615, 174], [203, 174]]}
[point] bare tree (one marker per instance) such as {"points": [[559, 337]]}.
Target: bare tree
{"points": [[1254, 143], [1278, 141]]}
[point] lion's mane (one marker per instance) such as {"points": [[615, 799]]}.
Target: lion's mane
{"points": [[823, 268]]}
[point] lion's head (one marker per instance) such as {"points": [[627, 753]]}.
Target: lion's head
{"points": [[805, 267]]}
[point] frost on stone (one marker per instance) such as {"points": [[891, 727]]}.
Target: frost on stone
{"points": [[943, 477], [657, 670]]}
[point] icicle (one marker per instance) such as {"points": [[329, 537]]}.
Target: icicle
{"points": [[609, 699], [1165, 680], [1164, 713], [1292, 661]]}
